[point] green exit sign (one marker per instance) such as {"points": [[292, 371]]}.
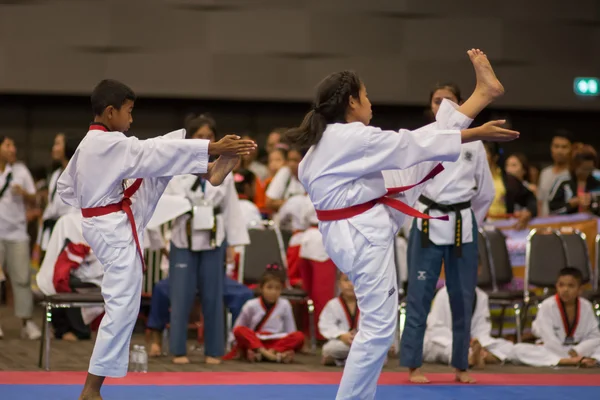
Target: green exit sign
{"points": [[587, 86]]}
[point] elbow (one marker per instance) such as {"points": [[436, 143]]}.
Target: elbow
{"points": [[272, 204]]}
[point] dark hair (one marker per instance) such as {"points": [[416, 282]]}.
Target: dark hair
{"points": [[281, 131], [243, 177], [570, 271], [71, 144], [581, 153], [110, 93], [452, 87], [273, 272], [330, 106], [563, 133], [194, 122], [524, 164], [2, 139], [496, 151]]}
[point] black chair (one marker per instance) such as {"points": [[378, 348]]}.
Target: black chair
{"points": [[286, 235], [62, 300], [496, 271], [594, 294], [266, 247], [578, 256]]}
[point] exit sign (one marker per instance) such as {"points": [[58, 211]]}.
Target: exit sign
{"points": [[587, 86]]}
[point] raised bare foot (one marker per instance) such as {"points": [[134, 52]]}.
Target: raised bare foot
{"points": [[181, 360], [464, 377], [487, 82], [212, 360], [155, 350], [416, 376], [70, 337]]}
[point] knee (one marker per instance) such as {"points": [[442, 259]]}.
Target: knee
{"points": [[240, 331]]}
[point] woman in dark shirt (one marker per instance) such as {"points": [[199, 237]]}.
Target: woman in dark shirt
{"points": [[580, 191]]}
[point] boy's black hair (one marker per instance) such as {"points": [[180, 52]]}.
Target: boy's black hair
{"points": [[565, 134], [110, 93], [574, 272]]}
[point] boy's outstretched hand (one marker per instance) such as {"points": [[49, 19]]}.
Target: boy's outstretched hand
{"points": [[232, 145]]}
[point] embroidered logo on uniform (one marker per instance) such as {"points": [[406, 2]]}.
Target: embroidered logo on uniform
{"points": [[338, 322], [468, 156], [421, 276], [180, 265], [391, 292]]}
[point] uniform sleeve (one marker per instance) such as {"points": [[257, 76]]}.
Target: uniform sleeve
{"points": [[236, 231], [403, 149], [327, 322], [245, 317], [28, 184], [289, 323], [542, 328], [484, 197], [590, 331], [276, 189]]}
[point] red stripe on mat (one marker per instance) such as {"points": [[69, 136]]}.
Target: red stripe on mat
{"points": [[285, 378]]}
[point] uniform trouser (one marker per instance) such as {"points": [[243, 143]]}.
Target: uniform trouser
{"points": [[201, 272], [14, 257], [373, 273], [318, 280], [122, 293], [337, 350], [424, 267], [246, 339], [235, 295], [542, 356]]}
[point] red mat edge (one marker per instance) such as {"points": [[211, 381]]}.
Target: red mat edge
{"points": [[287, 378]]}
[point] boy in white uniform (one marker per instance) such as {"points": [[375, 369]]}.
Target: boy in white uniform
{"points": [[115, 216], [566, 326], [342, 173]]}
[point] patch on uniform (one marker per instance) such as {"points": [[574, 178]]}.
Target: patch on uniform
{"points": [[468, 156], [391, 292], [338, 322]]}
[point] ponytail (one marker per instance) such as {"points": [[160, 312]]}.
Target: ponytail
{"points": [[330, 106], [309, 132]]}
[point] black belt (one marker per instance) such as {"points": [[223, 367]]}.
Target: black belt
{"points": [[213, 231], [445, 208]]}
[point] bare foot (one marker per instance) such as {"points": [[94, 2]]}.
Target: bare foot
{"points": [[90, 396], [416, 376], [475, 354], [253, 356], [464, 377], [181, 360], [268, 354], [155, 350], [286, 357], [212, 360], [487, 83], [70, 337], [328, 361]]}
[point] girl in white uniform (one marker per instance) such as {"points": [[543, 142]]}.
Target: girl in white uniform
{"points": [[342, 173], [115, 216]]}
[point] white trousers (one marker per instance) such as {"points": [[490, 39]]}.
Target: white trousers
{"points": [[541, 356], [373, 274], [122, 291], [337, 350]]}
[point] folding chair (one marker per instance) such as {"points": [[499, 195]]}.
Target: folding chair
{"points": [[266, 247], [594, 294], [578, 256], [497, 271]]}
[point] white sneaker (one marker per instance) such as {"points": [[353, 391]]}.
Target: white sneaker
{"points": [[30, 331]]}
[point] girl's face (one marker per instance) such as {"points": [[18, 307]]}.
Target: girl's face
{"points": [[58, 148], [204, 133], [514, 167], [360, 109], [271, 290], [293, 161], [439, 96], [276, 161]]}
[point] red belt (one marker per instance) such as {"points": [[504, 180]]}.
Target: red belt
{"points": [[352, 211], [125, 206]]}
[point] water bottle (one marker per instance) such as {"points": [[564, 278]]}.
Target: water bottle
{"points": [[143, 360], [133, 359], [165, 342]]}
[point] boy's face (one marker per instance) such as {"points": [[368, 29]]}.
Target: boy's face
{"points": [[560, 149], [568, 288], [346, 286], [121, 119], [8, 151]]}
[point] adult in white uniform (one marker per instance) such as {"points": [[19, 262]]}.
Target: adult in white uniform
{"points": [[438, 347], [199, 242], [566, 326], [464, 192], [17, 190], [115, 216], [342, 173], [62, 151]]}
